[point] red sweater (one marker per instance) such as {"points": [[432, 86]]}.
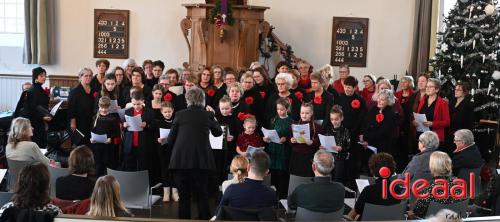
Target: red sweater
{"points": [[441, 116]]}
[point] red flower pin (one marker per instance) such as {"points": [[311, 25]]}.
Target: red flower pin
{"points": [[355, 104], [241, 116], [262, 94], [249, 100], [47, 91], [299, 95], [211, 92], [167, 97], [95, 95], [379, 117], [318, 100]]}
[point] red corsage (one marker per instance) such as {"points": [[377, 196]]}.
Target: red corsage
{"points": [[167, 97], [249, 100], [95, 95], [241, 116], [317, 100], [248, 116], [262, 94], [47, 91], [379, 117], [299, 95], [211, 92], [355, 104]]}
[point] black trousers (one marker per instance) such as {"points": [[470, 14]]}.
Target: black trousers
{"points": [[192, 181]]}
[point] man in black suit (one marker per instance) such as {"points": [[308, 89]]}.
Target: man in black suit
{"points": [[466, 155], [322, 195], [192, 157]]}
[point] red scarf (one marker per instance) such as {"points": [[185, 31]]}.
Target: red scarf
{"points": [[135, 136]]}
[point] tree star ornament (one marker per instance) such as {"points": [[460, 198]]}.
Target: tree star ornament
{"points": [[489, 9]]}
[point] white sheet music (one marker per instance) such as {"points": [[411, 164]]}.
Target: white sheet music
{"points": [[134, 123], [217, 142], [271, 134], [121, 113], [176, 89], [252, 149], [113, 108], [301, 132], [54, 109], [98, 138], [328, 142], [2, 173], [361, 184], [372, 148], [420, 119]]}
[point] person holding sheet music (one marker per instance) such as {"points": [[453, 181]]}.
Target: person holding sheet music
{"points": [[249, 137], [109, 89], [280, 152], [239, 107], [138, 81], [36, 100], [303, 153], [105, 152], [180, 102], [379, 125], [250, 95], [81, 106], [342, 150], [321, 100], [283, 83], [192, 159], [156, 153], [136, 146], [119, 73], [164, 121]]}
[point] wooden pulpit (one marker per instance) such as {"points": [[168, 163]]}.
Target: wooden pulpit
{"points": [[238, 47]]}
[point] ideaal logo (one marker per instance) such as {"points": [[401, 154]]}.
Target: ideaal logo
{"points": [[441, 189]]}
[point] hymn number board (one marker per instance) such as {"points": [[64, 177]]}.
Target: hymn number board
{"points": [[349, 41], [111, 28]]}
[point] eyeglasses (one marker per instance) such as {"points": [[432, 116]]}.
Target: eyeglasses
{"points": [[457, 140]]}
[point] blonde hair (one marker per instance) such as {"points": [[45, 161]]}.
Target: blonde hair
{"points": [[440, 164], [239, 166], [106, 198], [18, 130]]}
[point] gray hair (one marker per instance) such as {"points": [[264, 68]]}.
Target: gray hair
{"points": [[408, 79], [465, 136], [195, 97], [429, 139], [235, 85], [83, 71], [18, 129], [285, 76], [436, 82], [324, 162], [128, 62], [391, 99]]}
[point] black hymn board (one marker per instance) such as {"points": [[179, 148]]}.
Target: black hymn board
{"points": [[349, 41], [111, 28]]}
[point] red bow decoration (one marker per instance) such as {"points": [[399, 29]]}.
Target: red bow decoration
{"points": [[379, 117], [262, 94], [355, 104], [246, 116], [299, 95], [249, 100], [211, 92], [167, 97], [241, 116], [318, 100], [47, 91], [95, 95]]}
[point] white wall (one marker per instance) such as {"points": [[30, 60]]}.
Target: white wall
{"points": [[306, 25]]}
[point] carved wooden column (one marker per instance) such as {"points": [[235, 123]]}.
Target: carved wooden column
{"points": [[239, 46]]}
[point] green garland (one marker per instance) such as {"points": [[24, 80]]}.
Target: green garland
{"points": [[216, 12]]}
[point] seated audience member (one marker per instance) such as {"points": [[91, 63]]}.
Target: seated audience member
{"points": [[372, 194], [418, 167], [251, 194], [322, 195], [238, 168], [466, 155], [77, 185], [441, 169], [31, 196], [106, 200], [19, 144]]}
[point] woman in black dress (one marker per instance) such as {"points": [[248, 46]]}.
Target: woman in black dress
{"points": [[36, 105], [319, 97], [138, 78], [461, 113], [119, 74], [81, 106], [206, 84], [264, 87], [283, 83], [102, 66]]}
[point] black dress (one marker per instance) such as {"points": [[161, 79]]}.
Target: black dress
{"points": [[462, 116], [36, 99], [95, 85], [224, 157], [81, 108], [379, 134], [252, 98], [106, 155], [146, 91], [73, 187], [163, 151], [322, 105], [151, 82]]}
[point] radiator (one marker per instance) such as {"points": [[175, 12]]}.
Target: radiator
{"points": [[10, 90]]}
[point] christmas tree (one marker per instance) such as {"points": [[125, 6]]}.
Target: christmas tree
{"points": [[468, 50]]}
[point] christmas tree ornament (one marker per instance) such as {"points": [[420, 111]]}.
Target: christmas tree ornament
{"points": [[474, 17], [484, 58], [461, 61], [474, 44], [489, 87], [479, 7], [489, 9], [465, 32], [470, 10]]}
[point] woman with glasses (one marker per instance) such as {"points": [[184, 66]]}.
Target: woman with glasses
{"points": [[369, 89], [435, 109], [283, 83], [461, 113]]}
